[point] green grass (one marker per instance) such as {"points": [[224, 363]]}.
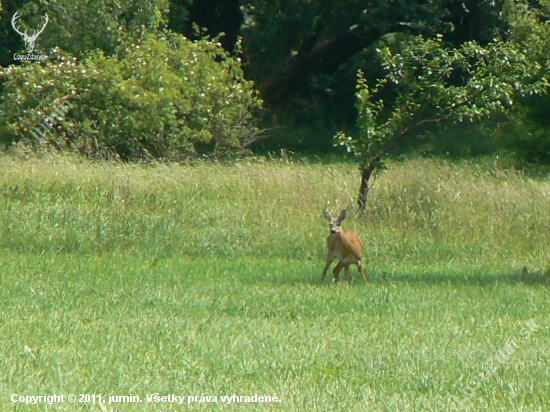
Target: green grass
{"points": [[126, 279]]}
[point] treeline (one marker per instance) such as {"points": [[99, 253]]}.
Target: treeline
{"points": [[178, 79]]}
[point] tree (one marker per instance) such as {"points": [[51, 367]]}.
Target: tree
{"points": [[289, 43], [303, 55], [436, 83]]}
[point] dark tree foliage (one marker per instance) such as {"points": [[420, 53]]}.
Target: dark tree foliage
{"points": [[304, 54], [288, 43], [218, 16]]}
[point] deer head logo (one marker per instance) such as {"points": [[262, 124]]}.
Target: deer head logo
{"points": [[29, 40]]}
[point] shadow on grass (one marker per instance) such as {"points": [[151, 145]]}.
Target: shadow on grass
{"points": [[481, 279], [524, 277]]}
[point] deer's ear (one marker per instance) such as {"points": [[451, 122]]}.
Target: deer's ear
{"points": [[342, 216], [327, 215]]}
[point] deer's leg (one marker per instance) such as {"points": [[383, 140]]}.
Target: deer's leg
{"points": [[362, 270], [330, 258], [336, 271], [348, 274]]}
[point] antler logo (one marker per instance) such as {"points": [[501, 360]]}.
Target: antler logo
{"points": [[29, 40]]}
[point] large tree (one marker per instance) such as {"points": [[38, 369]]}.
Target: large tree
{"points": [[288, 43]]}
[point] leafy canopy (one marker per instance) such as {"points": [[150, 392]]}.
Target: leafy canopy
{"points": [[433, 82]]}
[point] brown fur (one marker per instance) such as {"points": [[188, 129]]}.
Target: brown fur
{"points": [[345, 246]]}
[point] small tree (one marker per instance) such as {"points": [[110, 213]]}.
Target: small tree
{"points": [[434, 83]]}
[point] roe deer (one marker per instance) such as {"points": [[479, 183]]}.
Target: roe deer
{"points": [[344, 245]]}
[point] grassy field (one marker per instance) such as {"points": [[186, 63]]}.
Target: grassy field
{"points": [[205, 281]]}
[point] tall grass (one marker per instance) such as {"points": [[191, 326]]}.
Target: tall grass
{"points": [[418, 210]]}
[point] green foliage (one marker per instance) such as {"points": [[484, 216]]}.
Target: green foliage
{"points": [[435, 83], [283, 32], [457, 140], [79, 27], [527, 134], [169, 97], [304, 55]]}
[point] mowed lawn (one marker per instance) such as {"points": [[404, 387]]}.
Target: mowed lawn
{"points": [[204, 280]]}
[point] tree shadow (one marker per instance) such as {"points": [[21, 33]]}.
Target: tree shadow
{"points": [[480, 279], [524, 276]]}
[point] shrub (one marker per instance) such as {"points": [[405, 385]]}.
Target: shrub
{"points": [[167, 97]]}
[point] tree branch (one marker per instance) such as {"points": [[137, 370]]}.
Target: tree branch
{"points": [[367, 170]]}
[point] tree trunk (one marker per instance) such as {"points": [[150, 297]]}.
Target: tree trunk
{"points": [[368, 166], [364, 188]]}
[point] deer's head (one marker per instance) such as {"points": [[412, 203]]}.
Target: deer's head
{"points": [[335, 224]]}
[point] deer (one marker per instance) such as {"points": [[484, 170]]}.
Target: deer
{"points": [[29, 40], [344, 245]]}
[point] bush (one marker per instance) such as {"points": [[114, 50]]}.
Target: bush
{"points": [[168, 97]]}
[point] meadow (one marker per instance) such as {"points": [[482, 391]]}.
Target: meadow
{"points": [[204, 280]]}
